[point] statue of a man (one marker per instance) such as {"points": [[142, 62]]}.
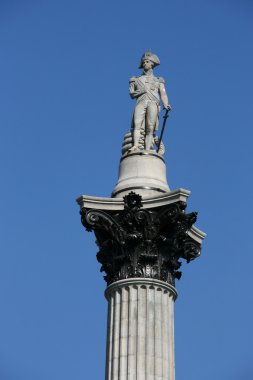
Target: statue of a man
{"points": [[148, 90]]}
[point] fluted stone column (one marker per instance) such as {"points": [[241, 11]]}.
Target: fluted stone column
{"points": [[140, 332]]}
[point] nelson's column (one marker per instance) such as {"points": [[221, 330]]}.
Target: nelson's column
{"points": [[142, 232]]}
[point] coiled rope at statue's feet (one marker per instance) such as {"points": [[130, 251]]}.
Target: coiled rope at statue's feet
{"points": [[128, 143]]}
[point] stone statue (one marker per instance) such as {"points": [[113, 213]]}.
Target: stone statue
{"points": [[148, 90]]}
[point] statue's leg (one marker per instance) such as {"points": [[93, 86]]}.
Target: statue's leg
{"points": [[151, 118], [139, 114]]}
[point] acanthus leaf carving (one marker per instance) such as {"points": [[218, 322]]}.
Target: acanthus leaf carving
{"points": [[137, 242]]}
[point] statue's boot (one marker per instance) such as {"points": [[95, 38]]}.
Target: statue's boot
{"points": [[136, 138], [149, 141]]}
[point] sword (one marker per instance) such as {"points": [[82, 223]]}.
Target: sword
{"points": [[165, 117]]}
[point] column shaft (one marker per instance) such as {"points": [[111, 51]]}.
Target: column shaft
{"points": [[140, 332]]}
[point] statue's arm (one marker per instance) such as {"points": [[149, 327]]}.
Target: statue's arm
{"points": [[163, 94], [134, 91]]}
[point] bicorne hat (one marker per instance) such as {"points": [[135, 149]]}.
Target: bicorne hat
{"points": [[152, 57]]}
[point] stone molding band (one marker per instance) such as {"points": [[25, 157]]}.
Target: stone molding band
{"points": [[114, 193], [142, 154], [143, 282]]}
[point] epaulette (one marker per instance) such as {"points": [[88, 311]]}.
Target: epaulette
{"points": [[161, 80], [132, 79]]}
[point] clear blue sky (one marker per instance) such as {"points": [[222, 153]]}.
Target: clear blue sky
{"points": [[64, 70]]}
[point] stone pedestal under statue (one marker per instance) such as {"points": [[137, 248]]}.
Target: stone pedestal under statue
{"points": [[143, 172]]}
